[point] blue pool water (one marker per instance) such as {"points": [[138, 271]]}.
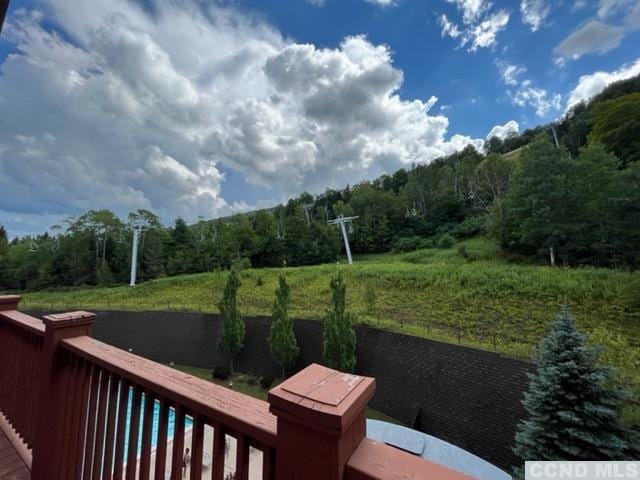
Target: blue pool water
{"points": [[154, 430]]}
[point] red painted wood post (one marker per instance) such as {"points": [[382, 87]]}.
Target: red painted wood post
{"points": [[9, 302], [321, 421], [48, 440]]}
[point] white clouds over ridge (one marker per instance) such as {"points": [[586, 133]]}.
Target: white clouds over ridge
{"points": [[590, 85], [141, 110], [503, 131]]}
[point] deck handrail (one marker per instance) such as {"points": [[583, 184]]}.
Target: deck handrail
{"points": [[21, 346], [239, 412], [71, 397]]}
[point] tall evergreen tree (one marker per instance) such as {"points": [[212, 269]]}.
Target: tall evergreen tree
{"points": [[4, 240], [282, 341], [339, 334], [231, 335], [573, 415]]}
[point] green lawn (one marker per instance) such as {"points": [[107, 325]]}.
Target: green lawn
{"points": [[473, 298], [242, 384]]}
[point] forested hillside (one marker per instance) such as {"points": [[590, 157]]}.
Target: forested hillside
{"points": [[574, 203]]}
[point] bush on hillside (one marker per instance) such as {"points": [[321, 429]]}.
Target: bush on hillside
{"points": [[221, 372], [446, 241], [409, 244], [267, 381], [470, 227]]}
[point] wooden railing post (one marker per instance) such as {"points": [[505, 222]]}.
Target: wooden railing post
{"points": [[321, 421], [9, 302], [50, 432]]}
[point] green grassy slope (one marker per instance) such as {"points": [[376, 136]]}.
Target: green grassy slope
{"points": [[480, 301]]}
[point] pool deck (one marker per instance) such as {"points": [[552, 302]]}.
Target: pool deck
{"points": [[255, 457]]}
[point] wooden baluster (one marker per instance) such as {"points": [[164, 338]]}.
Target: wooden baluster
{"points": [[242, 457], [219, 451], [161, 446], [22, 394], [102, 414], [197, 438], [109, 442], [134, 430], [18, 421], [123, 407], [81, 405], [268, 463], [178, 444], [91, 423], [147, 425], [4, 349], [33, 386], [15, 379], [27, 385], [71, 382]]}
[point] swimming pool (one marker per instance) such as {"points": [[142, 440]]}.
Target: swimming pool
{"points": [[188, 422]]}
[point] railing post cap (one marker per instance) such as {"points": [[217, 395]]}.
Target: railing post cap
{"points": [[68, 319], [322, 398], [9, 302]]}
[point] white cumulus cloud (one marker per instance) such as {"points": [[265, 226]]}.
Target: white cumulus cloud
{"points": [[524, 93], [503, 131], [510, 73], [480, 26], [116, 107], [534, 12], [590, 85]]}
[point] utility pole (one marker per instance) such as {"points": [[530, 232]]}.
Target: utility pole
{"points": [[341, 220], [137, 227], [134, 255]]}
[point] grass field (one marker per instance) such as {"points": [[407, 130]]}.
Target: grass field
{"points": [[474, 299]]}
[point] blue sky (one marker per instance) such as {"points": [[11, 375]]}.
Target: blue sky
{"points": [[206, 108]]}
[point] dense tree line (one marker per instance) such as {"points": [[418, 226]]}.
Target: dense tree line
{"points": [[575, 201]]}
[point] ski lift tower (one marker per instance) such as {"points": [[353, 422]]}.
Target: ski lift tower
{"points": [[137, 227], [341, 220]]}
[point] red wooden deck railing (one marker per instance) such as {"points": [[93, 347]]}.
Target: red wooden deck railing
{"points": [[92, 411], [21, 340]]}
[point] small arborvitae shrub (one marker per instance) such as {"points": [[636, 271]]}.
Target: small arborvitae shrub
{"points": [[259, 282], [252, 380], [282, 340], [221, 372], [462, 251], [446, 241], [232, 329], [339, 336], [267, 382]]}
